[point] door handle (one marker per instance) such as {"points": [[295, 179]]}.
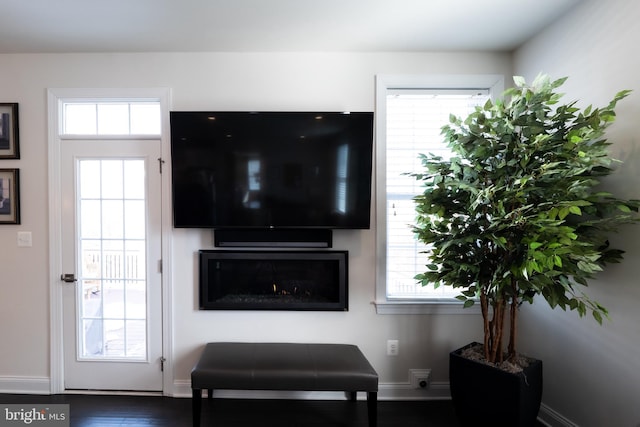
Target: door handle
{"points": [[68, 278]]}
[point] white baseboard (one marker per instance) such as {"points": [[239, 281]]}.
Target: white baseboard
{"points": [[386, 391], [25, 385], [551, 418], [406, 391]]}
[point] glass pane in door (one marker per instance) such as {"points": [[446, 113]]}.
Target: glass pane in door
{"points": [[112, 295]]}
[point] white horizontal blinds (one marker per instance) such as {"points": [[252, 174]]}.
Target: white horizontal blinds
{"points": [[111, 118], [413, 125]]}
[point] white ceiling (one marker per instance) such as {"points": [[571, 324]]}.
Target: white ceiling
{"points": [[38, 26]]}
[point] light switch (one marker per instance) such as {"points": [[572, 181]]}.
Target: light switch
{"points": [[24, 239]]}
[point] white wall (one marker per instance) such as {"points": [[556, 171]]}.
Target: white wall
{"points": [[247, 81], [592, 372]]}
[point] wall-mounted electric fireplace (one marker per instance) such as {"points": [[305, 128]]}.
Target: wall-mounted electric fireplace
{"points": [[273, 280]]}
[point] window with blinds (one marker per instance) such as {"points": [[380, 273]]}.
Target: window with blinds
{"points": [[414, 118]]}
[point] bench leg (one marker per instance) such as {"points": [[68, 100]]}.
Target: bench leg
{"points": [[353, 395], [372, 408], [196, 406]]}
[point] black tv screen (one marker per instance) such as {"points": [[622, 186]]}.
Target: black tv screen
{"points": [[271, 169]]}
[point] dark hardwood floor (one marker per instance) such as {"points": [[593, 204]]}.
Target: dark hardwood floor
{"points": [[157, 411], [108, 411]]}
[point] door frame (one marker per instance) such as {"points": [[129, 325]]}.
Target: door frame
{"points": [[54, 99]]}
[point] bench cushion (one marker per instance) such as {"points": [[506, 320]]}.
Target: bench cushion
{"points": [[283, 366]]}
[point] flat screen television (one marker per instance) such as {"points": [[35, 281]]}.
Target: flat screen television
{"points": [[271, 169]]}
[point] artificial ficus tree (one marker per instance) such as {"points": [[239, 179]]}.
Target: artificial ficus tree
{"points": [[517, 211]]}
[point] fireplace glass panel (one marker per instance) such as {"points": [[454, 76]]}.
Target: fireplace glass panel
{"points": [[273, 280]]}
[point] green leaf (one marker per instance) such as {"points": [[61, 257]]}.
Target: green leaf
{"points": [[575, 210], [519, 81], [468, 303], [597, 316]]}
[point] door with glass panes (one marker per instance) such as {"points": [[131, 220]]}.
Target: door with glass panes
{"points": [[112, 311], [111, 251]]}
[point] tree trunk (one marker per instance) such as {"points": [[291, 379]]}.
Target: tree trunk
{"points": [[513, 321], [495, 354], [484, 305], [493, 327]]}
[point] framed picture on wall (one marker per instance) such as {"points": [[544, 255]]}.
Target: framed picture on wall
{"points": [[9, 196], [9, 134]]}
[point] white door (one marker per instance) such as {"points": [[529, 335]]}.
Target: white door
{"points": [[111, 251]]}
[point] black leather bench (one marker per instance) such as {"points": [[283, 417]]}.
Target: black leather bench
{"points": [[284, 366]]}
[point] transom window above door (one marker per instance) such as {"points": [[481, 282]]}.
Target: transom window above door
{"points": [[110, 118]]}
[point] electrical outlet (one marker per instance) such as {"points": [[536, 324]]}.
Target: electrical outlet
{"points": [[392, 347], [420, 378]]}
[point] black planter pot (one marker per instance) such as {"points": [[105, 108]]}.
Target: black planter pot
{"points": [[484, 395]]}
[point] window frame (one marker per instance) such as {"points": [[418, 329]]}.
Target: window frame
{"points": [[494, 83]]}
